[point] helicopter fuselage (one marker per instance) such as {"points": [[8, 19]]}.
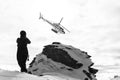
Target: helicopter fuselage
{"points": [[57, 27]]}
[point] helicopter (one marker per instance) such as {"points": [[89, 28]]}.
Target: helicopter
{"points": [[57, 27]]}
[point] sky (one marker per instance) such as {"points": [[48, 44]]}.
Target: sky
{"points": [[93, 25]]}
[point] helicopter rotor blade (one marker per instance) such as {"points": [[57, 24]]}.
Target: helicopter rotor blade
{"points": [[61, 20], [65, 28]]}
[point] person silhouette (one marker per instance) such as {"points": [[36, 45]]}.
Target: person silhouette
{"points": [[22, 51]]}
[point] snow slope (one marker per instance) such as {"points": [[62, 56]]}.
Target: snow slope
{"points": [[108, 72], [105, 73], [15, 75]]}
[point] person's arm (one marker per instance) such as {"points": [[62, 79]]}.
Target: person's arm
{"points": [[28, 41], [28, 58]]}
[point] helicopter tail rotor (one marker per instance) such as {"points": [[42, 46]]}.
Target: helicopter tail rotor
{"points": [[40, 16]]}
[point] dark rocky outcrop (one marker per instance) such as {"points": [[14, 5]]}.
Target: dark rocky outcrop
{"points": [[63, 59]]}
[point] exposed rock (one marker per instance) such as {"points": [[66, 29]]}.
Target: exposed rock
{"points": [[63, 59], [116, 77]]}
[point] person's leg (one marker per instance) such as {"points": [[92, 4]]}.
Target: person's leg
{"points": [[20, 65], [23, 67]]}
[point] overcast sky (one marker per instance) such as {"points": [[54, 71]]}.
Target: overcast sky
{"points": [[94, 27]]}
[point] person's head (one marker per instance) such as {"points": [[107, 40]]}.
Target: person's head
{"points": [[22, 33]]}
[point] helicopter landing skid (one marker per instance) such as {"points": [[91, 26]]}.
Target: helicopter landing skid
{"points": [[54, 30]]}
